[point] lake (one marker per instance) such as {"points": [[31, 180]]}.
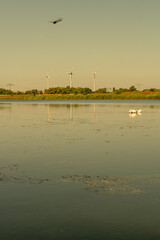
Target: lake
{"points": [[79, 170]]}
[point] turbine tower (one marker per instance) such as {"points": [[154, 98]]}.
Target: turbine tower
{"points": [[9, 85], [48, 80], [138, 85], [70, 75], [94, 81]]}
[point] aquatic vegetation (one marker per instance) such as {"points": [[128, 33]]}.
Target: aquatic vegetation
{"points": [[100, 184], [107, 185]]}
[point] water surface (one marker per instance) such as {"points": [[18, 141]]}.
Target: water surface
{"points": [[79, 170]]}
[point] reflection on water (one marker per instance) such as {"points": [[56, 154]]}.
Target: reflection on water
{"points": [[79, 170], [70, 107], [71, 112]]}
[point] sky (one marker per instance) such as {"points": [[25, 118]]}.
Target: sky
{"points": [[117, 39]]}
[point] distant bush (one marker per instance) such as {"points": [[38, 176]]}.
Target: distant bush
{"points": [[5, 91], [101, 90], [152, 89], [68, 90], [132, 89]]}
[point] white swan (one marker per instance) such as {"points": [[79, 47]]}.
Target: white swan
{"points": [[139, 111], [132, 111], [132, 115]]}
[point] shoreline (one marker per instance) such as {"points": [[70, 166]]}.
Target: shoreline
{"points": [[106, 96]]}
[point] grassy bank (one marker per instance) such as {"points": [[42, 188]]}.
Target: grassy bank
{"points": [[128, 95]]}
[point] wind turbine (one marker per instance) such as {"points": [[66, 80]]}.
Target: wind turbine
{"points": [[138, 85], [9, 85], [94, 81], [70, 75], [48, 80]]}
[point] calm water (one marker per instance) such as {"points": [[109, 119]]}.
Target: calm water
{"points": [[79, 170]]}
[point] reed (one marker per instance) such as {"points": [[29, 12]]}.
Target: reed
{"points": [[91, 96]]}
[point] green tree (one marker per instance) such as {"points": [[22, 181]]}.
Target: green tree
{"points": [[132, 89], [6, 91], [152, 89], [101, 90]]}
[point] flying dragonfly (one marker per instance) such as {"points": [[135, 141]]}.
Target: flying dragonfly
{"points": [[56, 21]]}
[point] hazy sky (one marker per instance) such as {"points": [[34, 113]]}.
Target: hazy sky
{"points": [[119, 39]]}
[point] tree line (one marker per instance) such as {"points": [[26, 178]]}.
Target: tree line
{"points": [[68, 90]]}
